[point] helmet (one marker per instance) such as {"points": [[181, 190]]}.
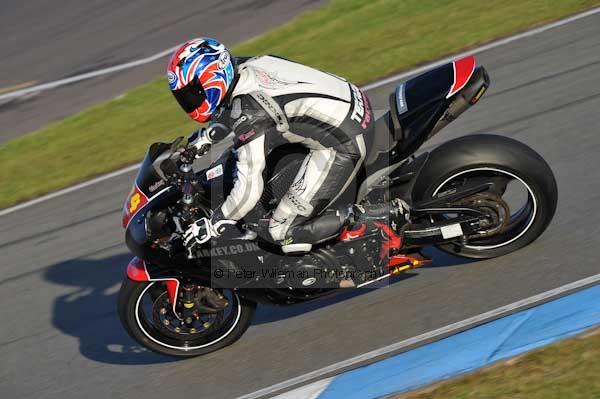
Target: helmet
{"points": [[200, 74]]}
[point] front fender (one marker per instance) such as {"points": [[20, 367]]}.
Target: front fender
{"points": [[138, 271]]}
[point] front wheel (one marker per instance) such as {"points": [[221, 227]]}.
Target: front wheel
{"points": [[520, 184], [147, 315]]}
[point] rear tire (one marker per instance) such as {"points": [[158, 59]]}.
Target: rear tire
{"points": [[131, 317], [497, 155]]}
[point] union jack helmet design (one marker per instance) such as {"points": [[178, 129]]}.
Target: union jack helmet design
{"points": [[200, 74]]}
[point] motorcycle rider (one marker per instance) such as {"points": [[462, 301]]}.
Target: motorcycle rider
{"points": [[268, 101]]}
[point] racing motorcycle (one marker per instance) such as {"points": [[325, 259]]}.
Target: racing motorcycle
{"points": [[477, 196]]}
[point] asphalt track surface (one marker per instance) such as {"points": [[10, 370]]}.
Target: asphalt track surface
{"points": [[45, 41], [63, 259]]}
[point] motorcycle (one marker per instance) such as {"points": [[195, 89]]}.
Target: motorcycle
{"points": [[477, 196]]}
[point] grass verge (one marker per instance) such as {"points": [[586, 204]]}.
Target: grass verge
{"points": [[358, 39], [568, 369]]}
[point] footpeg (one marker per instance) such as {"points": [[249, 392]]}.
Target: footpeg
{"points": [[401, 263]]}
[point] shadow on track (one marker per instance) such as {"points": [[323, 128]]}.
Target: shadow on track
{"points": [[89, 312], [269, 314], [443, 259]]}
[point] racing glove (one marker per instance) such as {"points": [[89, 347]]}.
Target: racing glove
{"points": [[203, 230], [201, 141]]}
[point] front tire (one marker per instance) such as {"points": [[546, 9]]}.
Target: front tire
{"points": [[493, 157], [152, 334]]}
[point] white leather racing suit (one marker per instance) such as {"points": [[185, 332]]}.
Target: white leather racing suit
{"points": [[276, 101]]}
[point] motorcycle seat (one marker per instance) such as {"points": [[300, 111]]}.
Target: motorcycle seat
{"points": [[319, 229]]}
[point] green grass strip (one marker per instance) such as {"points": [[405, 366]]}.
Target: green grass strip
{"points": [[358, 39], [569, 369]]}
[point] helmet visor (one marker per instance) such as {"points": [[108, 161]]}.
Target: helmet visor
{"points": [[191, 96]]}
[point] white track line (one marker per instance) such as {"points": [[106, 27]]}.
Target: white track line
{"points": [[69, 189], [432, 335], [62, 82], [379, 83], [485, 47]]}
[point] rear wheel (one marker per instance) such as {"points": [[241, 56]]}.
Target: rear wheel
{"points": [[521, 197], [147, 315]]}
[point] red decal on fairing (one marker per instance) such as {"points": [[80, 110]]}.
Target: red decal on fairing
{"points": [[135, 201], [352, 234], [463, 70]]}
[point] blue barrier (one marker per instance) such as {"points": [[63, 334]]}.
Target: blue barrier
{"points": [[471, 349]]}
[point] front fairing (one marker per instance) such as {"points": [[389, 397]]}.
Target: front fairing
{"points": [[150, 181], [152, 194], [140, 242]]}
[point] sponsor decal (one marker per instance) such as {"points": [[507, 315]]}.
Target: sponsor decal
{"points": [[361, 112], [267, 103], [301, 206], [268, 80], [309, 281], [247, 135], [401, 104], [172, 79], [478, 95], [228, 250], [223, 60], [240, 120], [367, 118], [272, 109], [156, 186], [214, 172]]}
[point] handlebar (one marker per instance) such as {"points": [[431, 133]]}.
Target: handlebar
{"points": [[186, 180]]}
